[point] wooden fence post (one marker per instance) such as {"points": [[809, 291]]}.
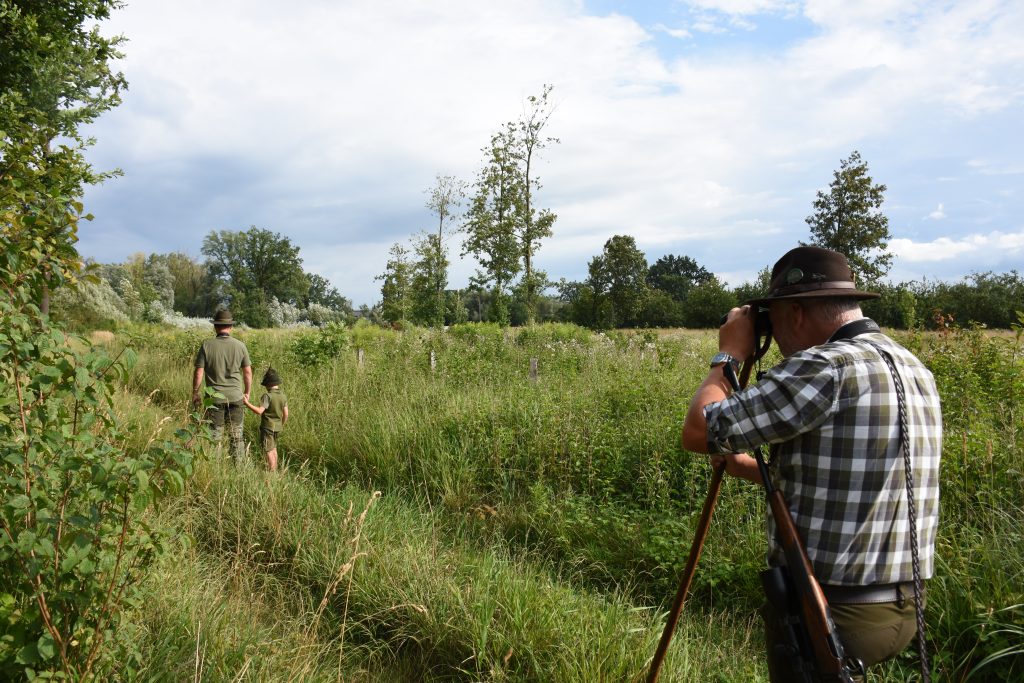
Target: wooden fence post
{"points": [[433, 360], [533, 370], [359, 356]]}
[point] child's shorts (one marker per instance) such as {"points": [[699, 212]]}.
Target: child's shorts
{"points": [[269, 440]]}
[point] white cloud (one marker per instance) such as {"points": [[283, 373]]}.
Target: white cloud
{"points": [[680, 33], [744, 7], [357, 105], [988, 168], [946, 248], [937, 215]]}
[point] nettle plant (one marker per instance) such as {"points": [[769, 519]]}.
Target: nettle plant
{"points": [[75, 543]]}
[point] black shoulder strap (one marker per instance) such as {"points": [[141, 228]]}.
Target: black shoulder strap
{"points": [[855, 329]]}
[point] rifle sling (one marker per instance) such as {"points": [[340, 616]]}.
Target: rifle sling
{"points": [[849, 331]]}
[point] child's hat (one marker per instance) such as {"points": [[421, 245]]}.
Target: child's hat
{"points": [[270, 378]]}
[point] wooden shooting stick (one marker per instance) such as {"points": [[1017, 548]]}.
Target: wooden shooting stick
{"points": [[688, 572], [695, 550]]}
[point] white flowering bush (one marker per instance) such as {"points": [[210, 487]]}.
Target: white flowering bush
{"points": [[319, 315], [156, 312], [89, 305], [283, 314], [181, 322]]}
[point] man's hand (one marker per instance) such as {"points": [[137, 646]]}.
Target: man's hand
{"points": [[738, 465], [736, 335]]}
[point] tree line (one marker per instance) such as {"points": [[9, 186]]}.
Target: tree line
{"points": [[257, 272], [502, 231]]}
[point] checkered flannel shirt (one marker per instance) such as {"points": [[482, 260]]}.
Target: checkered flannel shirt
{"points": [[830, 413]]}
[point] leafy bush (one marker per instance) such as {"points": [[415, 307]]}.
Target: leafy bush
{"points": [[73, 546], [318, 348], [89, 306]]}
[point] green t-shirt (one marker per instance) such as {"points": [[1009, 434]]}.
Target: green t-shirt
{"points": [[222, 359], [273, 402]]}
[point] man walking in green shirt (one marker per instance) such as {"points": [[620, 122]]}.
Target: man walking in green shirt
{"points": [[224, 363]]}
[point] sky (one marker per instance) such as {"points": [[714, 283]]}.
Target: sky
{"points": [[702, 128]]}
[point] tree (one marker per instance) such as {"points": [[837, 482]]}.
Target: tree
{"points": [[429, 276], [252, 267], [55, 77], [322, 293], [896, 307], [579, 303], [661, 310], [619, 276], [444, 200], [503, 228], [849, 219], [707, 304], [74, 544], [189, 277], [756, 289], [396, 292], [676, 275], [533, 226], [490, 220]]}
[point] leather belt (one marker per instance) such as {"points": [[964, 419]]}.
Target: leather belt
{"points": [[868, 595]]}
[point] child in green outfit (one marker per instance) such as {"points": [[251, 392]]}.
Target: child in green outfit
{"points": [[273, 412]]}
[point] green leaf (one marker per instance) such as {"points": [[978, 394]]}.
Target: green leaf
{"points": [[19, 502], [28, 654], [46, 647]]}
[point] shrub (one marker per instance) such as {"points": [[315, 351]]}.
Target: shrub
{"points": [[317, 348], [73, 546]]}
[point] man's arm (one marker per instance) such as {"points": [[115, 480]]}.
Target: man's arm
{"points": [[739, 465], [197, 384], [695, 429], [247, 379], [735, 337], [284, 420]]}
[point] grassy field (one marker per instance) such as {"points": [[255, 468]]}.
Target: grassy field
{"points": [[459, 520]]}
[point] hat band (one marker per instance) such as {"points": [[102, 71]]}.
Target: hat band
{"points": [[811, 287]]}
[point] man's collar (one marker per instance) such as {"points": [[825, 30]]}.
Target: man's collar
{"points": [[855, 328]]}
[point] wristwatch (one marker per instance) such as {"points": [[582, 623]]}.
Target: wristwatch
{"points": [[721, 358]]}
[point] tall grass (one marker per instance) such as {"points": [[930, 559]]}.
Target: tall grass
{"points": [[571, 491]]}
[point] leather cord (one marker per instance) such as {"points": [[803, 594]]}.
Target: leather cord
{"points": [[922, 649]]}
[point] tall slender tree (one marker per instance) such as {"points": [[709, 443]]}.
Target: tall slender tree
{"points": [[503, 226], [491, 219], [444, 200], [849, 219], [533, 225]]}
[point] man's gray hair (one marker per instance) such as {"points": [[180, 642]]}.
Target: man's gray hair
{"points": [[834, 309]]}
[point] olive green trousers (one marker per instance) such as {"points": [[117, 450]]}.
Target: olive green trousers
{"points": [[234, 415], [872, 633]]}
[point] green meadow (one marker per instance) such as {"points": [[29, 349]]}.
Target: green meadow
{"points": [[445, 515]]}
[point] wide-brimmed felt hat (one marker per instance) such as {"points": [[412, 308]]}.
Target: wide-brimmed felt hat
{"points": [[270, 378], [222, 318], [812, 272]]}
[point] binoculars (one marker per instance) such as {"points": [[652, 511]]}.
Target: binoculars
{"points": [[762, 322], [762, 331]]}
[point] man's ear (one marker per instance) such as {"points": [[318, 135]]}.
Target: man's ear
{"points": [[798, 315]]}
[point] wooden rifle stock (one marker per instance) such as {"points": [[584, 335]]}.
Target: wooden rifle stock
{"points": [[830, 659]]}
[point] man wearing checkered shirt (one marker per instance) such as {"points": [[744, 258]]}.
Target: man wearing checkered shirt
{"points": [[829, 412]]}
